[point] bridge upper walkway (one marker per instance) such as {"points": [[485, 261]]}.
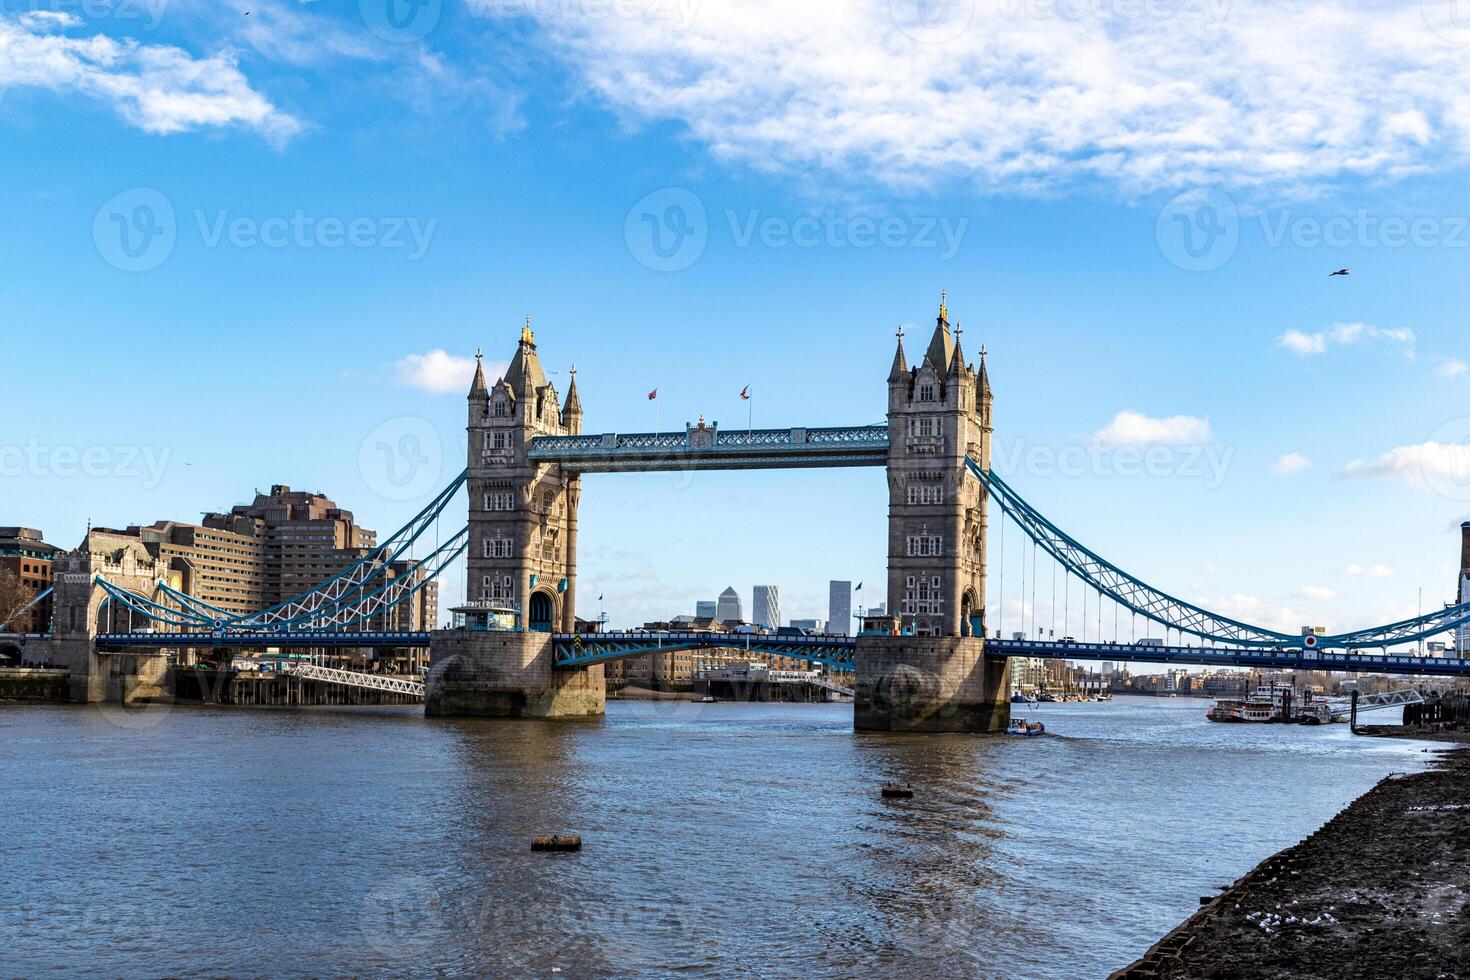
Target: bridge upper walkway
{"points": [[708, 448]]}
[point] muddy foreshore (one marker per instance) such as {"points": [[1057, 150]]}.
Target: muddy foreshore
{"points": [[1382, 890]]}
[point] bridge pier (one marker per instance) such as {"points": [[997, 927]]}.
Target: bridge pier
{"points": [[482, 674], [929, 684]]}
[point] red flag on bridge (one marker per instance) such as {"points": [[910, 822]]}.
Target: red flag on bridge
{"points": [[653, 394], [745, 393]]}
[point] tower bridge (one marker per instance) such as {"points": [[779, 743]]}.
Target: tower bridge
{"points": [[937, 665]]}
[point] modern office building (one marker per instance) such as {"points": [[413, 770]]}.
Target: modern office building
{"points": [[728, 609], [839, 607], [814, 625], [706, 609], [766, 606], [25, 554]]}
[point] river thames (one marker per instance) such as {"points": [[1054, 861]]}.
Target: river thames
{"points": [[719, 839]]}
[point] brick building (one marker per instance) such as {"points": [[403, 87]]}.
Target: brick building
{"points": [[25, 554]]}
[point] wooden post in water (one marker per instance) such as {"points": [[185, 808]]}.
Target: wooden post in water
{"points": [[1353, 718]]}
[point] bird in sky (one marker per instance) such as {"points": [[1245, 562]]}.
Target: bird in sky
{"points": [[1339, 272]]}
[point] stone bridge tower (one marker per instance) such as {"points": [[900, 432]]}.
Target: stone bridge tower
{"points": [[934, 676], [523, 516], [81, 611], [522, 556]]}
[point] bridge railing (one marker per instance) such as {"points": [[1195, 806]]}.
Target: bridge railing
{"points": [[639, 443]]}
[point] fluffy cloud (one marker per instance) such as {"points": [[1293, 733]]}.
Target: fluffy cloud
{"points": [[1428, 464], [1028, 94], [1452, 367], [1130, 428], [1290, 463], [440, 372], [1316, 593], [1342, 334], [155, 87], [1369, 571]]}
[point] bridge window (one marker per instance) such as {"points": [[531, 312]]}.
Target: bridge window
{"points": [[497, 547], [926, 392], [500, 501], [926, 494], [498, 587], [925, 545], [501, 408], [925, 425], [500, 440], [923, 597]]}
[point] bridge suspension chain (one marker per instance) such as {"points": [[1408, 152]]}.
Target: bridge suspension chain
{"points": [[1111, 581], [1141, 599]]}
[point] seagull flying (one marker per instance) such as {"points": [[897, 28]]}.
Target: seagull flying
{"points": [[1339, 272]]}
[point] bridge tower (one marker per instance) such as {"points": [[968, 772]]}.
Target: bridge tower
{"points": [[935, 676], [522, 554], [80, 608]]}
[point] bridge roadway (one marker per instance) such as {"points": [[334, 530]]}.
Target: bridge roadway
{"points": [[113, 642], [574, 650], [707, 448], [583, 649]]}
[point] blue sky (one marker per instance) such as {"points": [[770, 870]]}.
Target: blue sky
{"points": [[329, 209]]}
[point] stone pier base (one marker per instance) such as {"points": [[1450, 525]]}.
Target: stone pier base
{"points": [[507, 675], [929, 684]]}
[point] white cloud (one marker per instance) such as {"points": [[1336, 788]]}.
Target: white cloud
{"points": [[157, 88], [1343, 334], [1304, 343], [1423, 465], [1452, 367], [1316, 593], [1370, 571], [1256, 611], [440, 372], [1026, 94], [1130, 428], [1290, 463]]}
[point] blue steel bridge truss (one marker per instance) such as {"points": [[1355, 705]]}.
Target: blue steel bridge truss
{"points": [[709, 448], [575, 650], [338, 611]]}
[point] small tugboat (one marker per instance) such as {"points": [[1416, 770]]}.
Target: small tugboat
{"points": [[1020, 726]]}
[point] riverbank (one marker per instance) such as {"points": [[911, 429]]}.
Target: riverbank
{"points": [[1382, 890]]}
